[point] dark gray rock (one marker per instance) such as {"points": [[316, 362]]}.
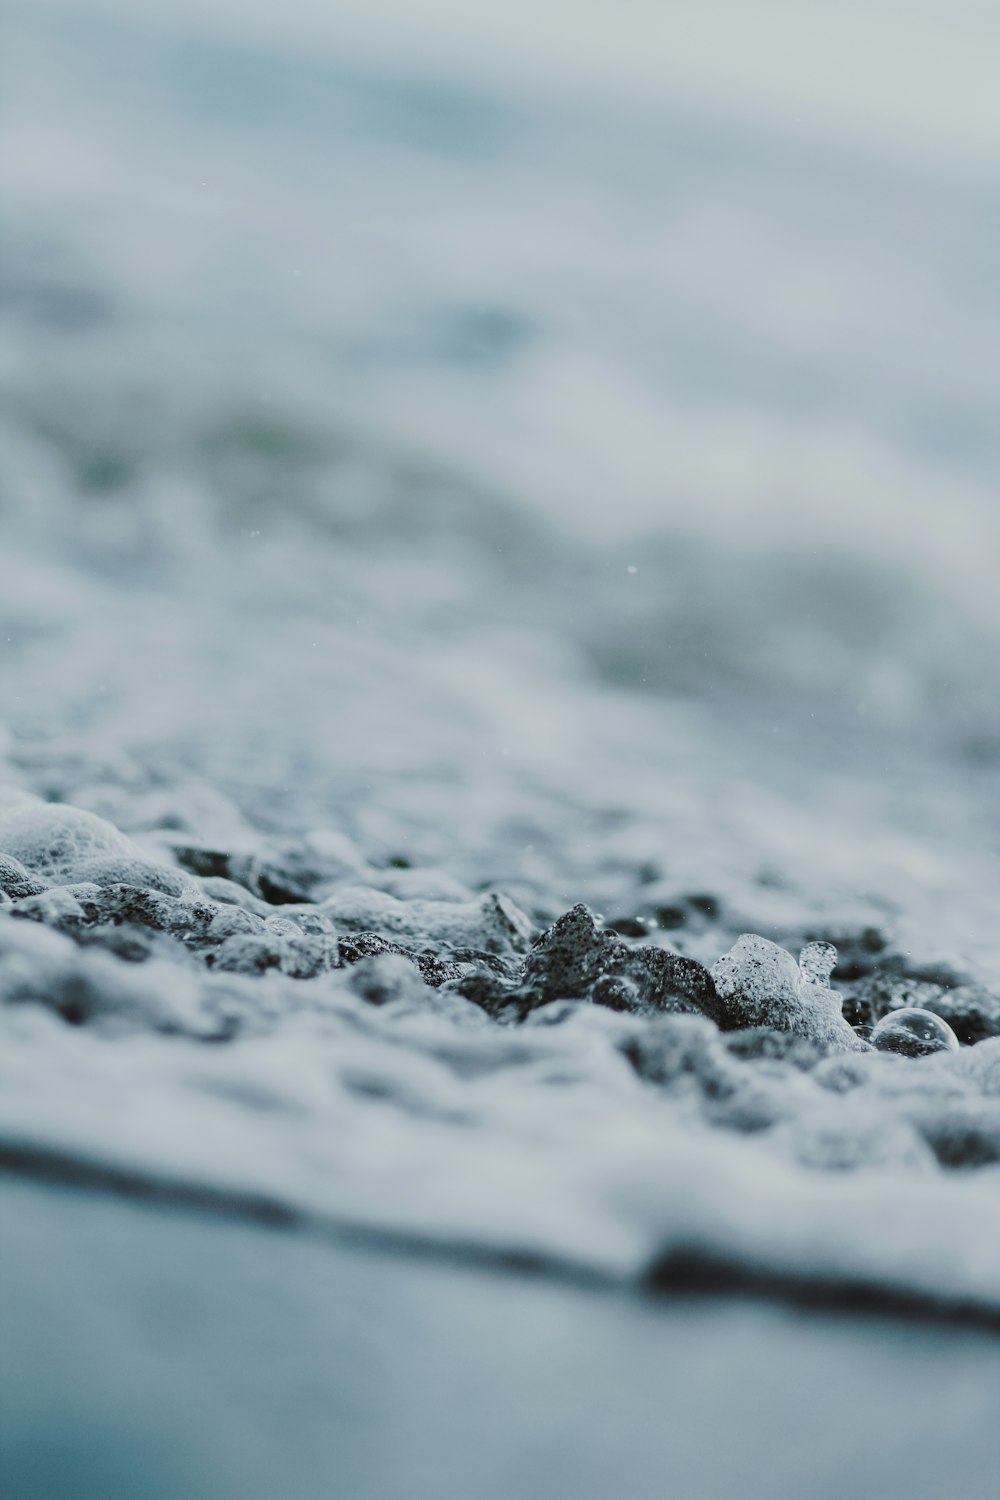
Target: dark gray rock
{"points": [[362, 945], [577, 960], [972, 1011]]}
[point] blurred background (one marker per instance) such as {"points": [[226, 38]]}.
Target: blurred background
{"points": [[628, 364]]}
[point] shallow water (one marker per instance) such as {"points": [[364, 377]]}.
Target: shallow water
{"points": [[190, 1358], [421, 485]]}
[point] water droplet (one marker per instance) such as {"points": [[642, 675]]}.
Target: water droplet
{"points": [[817, 962], [914, 1032]]}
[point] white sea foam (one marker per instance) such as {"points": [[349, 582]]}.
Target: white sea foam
{"points": [[322, 589]]}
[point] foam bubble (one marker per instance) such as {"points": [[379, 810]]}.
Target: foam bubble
{"points": [[63, 845], [761, 984], [914, 1033]]}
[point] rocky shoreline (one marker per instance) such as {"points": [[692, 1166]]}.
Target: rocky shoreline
{"points": [[449, 1023]]}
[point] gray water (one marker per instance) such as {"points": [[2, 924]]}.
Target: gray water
{"points": [[424, 479], [261, 1365]]}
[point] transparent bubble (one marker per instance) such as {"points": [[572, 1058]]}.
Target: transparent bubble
{"points": [[914, 1033], [817, 962]]}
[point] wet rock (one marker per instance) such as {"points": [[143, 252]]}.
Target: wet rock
{"points": [[577, 960], [686, 1055], [42, 967], [279, 883], [865, 1139], [674, 1048], [617, 992], [233, 921], [294, 954], [972, 1011], [758, 983], [962, 1134], [841, 1074], [493, 924], [387, 977], [130, 923], [877, 994], [492, 994], [761, 1042], [307, 920], [556, 1013], [231, 893], [282, 873], [138, 873], [15, 880], [363, 945], [65, 908], [669, 915], [154, 909], [575, 957], [136, 924], [208, 863]]}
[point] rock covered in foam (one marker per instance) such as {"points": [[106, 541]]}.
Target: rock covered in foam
{"points": [[844, 1112], [493, 924], [849, 1140], [15, 881], [300, 946], [760, 984], [291, 952], [384, 978], [364, 945], [136, 924], [42, 967], [62, 845]]}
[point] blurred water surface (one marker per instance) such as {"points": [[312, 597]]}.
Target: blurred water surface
{"points": [[699, 392]]}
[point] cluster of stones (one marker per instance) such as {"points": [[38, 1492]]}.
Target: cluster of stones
{"points": [[72, 872]]}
